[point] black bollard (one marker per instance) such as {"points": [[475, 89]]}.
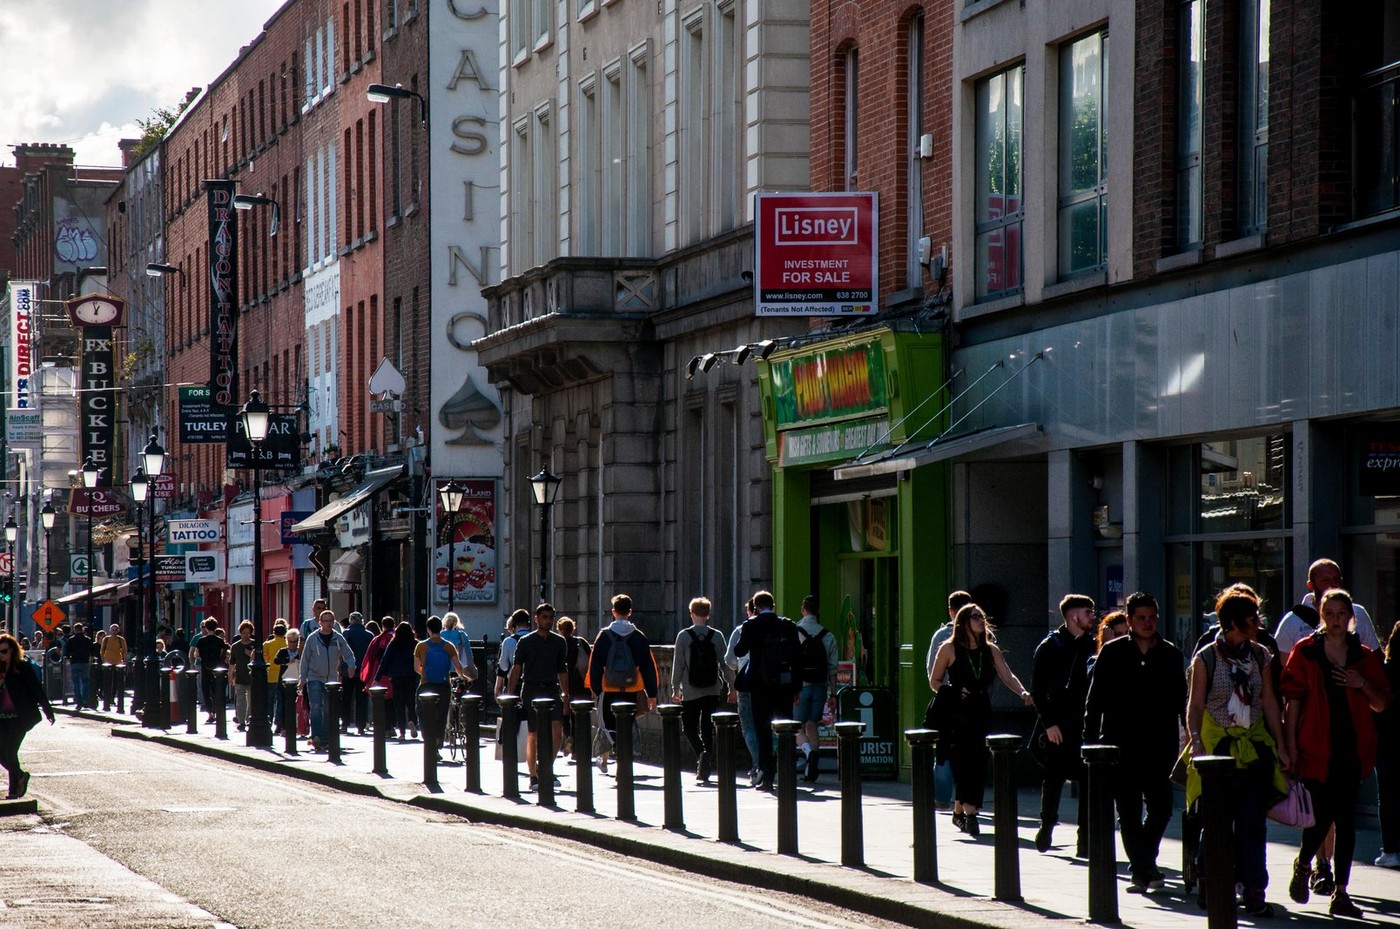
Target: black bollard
{"points": [[726, 725], [289, 717], [848, 765], [190, 699], [108, 675], [583, 755], [1217, 841], [470, 708], [671, 765], [787, 784], [625, 714], [921, 747], [119, 685], [543, 708], [1007, 868], [510, 754], [331, 718], [1101, 762], [428, 725], [379, 719], [220, 703], [138, 690], [163, 680]]}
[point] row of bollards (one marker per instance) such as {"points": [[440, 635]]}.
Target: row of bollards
{"points": [[1100, 763]]}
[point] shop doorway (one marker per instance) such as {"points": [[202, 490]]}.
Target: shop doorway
{"points": [[867, 628]]}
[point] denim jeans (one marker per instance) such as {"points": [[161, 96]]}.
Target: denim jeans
{"points": [[316, 703], [81, 672], [747, 728]]}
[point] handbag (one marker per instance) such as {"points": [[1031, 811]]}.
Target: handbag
{"points": [[303, 714], [388, 684], [1295, 809]]}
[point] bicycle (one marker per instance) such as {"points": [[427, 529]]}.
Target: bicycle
{"points": [[455, 734]]}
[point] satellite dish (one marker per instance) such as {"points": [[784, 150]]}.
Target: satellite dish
{"points": [[387, 379]]}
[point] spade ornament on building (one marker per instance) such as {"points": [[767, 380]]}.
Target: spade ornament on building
{"points": [[474, 412]]}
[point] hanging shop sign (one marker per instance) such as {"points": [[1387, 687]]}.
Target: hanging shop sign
{"points": [[24, 428], [170, 569], [204, 567], [223, 293], [193, 531], [22, 296], [202, 422], [98, 401], [281, 448], [816, 254], [827, 384]]}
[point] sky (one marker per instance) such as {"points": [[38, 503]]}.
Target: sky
{"points": [[82, 72]]}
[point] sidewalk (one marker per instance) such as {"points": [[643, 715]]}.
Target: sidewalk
{"points": [[1054, 886]]}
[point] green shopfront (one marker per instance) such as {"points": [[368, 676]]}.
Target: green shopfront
{"points": [[875, 550]]}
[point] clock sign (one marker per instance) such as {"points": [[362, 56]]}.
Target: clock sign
{"points": [[94, 310]]}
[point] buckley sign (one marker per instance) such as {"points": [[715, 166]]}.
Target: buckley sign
{"points": [[98, 401]]}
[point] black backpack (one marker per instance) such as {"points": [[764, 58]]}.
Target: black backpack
{"points": [[813, 666], [774, 664], [704, 663]]}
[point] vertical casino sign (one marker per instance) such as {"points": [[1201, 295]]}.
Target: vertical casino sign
{"points": [[223, 294]]}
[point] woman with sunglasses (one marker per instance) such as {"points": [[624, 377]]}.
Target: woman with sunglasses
{"points": [[21, 700]]}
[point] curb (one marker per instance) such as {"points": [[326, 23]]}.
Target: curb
{"points": [[713, 859]]}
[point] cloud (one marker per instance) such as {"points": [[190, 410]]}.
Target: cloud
{"points": [[83, 71]]}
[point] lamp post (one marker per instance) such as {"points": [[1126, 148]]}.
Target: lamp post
{"points": [[256, 417], [11, 534], [91, 472], [546, 488], [47, 514], [383, 93], [451, 495], [140, 493], [153, 465]]}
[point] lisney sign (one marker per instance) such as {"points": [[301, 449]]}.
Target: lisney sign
{"points": [[816, 254]]}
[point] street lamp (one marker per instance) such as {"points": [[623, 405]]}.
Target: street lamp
{"points": [[47, 514], [11, 534], [383, 93], [546, 488], [91, 472], [451, 494], [153, 459], [140, 493], [248, 201], [256, 416]]}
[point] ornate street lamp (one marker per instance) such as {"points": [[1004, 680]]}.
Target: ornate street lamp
{"points": [[256, 417], [11, 534], [153, 459], [451, 494], [546, 488], [91, 472], [47, 515]]}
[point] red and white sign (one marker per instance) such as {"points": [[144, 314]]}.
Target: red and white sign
{"points": [[99, 501], [7, 563], [817, 254], [165, 487]]}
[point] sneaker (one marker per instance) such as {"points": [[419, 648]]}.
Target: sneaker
{"points": [[702, 768], [971, 826], [534, 783], [1298, 886], [960, 822], [1157, 883], [1137, 887], [1081, 849], [603, 763], [1042, 838], [1341, 905], [1255, 905], [1322, 881], [1388, 860]]}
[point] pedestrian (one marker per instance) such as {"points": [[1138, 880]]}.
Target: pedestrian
{"points": [[1113, 625], [114, 646], [1232, 710], [1388, 759], [312, 621], [972, 663], [621, 669], [739, 696], [323, 656], [1059, 687], [453, 632], [772, 645], [274, 644], [817, 698], [518, 625], [213, 653], [1331, 685], [942, 775], [79, 651], [698, 682], [577, 660], [241, 669], [355, 702], [22, 699], [540, 671], [1137, 701], [434, 660], [396, 670]]}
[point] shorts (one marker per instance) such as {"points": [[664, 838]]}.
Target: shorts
{"points": [[811, 701], [531, 692]]}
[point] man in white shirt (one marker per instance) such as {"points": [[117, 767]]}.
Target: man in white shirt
{"points": [[1323, 575]]}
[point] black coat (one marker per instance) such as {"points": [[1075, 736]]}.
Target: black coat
{"points": [[28, 695]]}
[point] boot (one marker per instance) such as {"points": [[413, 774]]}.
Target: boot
{"points": [[702, 768], [1044, 836], [813, 765]]}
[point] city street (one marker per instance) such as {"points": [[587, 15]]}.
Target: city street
{"points": [[138, 835]]}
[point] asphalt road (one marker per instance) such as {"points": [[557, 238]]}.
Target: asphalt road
{"points": [[137, 835]]}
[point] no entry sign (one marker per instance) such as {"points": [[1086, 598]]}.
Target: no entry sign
{"points": [[816, 254]]}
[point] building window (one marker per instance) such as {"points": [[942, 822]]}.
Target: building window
{"points": [[586, 201], [914, 202], [1376, 116], [545, 166], [1191, 51], [542, 22], [638, 154], [519, 30], [1254, 116], [1083, 155], [521, 233], [693, 167], [1000, 206], [850, 118], [614, 121], [728, 131]]}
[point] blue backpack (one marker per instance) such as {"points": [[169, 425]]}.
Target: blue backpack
{"points": [[436, 663]]}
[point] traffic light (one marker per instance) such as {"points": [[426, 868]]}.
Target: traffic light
{"points": [[7, 588]]}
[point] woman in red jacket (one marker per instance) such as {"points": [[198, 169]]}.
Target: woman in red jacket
{"points": [[1331, 684]]}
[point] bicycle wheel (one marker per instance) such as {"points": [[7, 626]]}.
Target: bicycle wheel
{"points": [[454, 732]]}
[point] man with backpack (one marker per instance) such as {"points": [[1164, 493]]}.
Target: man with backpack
{"points": [[434, 658], [771, 643], [699, 679], [621, 670], [817, 668]]}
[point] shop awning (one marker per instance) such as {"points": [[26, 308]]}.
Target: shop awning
{"points": [[943, 448], [101, 592], [347, 571], [325, 517]]}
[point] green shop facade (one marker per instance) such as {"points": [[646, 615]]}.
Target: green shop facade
{"points": [[874, 549]]}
